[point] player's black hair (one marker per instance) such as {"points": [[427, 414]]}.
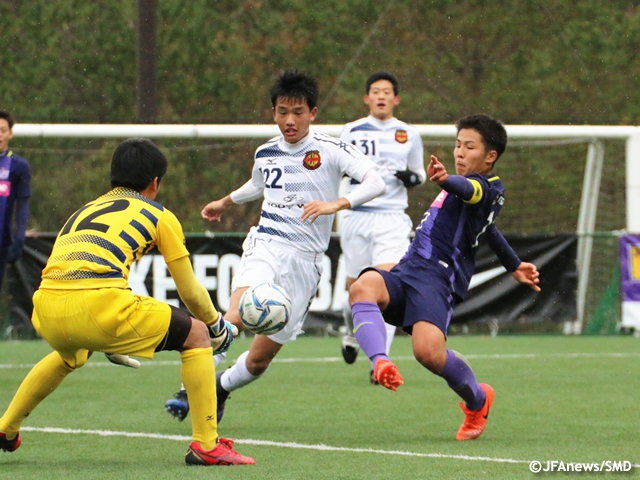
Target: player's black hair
{"points": [[382, 75], [493, 133], [135, 163], [8, 117], [292, 83]]}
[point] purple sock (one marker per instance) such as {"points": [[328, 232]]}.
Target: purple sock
{"points": [[369, 329], [461, 380]]}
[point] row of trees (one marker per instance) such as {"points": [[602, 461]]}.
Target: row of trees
{"points": [[524, 61]]}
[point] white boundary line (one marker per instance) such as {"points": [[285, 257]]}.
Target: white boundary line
{"points": [[498, 356], [268, 443], [295, 445]]}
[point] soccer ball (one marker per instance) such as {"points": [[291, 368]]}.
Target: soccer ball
{"points": [[265, 308]]}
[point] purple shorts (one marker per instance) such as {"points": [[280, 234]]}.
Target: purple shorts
{"points": [[420, 290]]}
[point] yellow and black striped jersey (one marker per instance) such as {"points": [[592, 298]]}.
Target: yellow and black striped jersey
{"points": [[99, 243]]}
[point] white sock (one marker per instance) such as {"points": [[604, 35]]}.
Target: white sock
{"points": [[347, 316], [218, 358], [238, 376], [391, 331]]}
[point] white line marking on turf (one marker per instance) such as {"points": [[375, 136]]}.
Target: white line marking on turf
{"points": [[503, 356], [268, 443]]}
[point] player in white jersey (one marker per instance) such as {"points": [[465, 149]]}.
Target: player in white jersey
{"points": [[298, 174], [376, 234]]}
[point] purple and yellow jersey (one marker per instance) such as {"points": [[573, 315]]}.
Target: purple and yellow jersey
{"points": [[100, 242], [451, 229]]}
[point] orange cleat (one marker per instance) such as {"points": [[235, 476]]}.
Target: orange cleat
{"points": [[476, 420], [386, 374], [222, 454]]}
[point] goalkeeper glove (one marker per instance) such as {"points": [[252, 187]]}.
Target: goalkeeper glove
{"points": [[409, 178], [124, 360], [221, 335]]}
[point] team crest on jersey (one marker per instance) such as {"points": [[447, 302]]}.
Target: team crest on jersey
{"points": [[402, 136], [311, 160], [5, 188]]}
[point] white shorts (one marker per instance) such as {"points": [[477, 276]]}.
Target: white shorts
{"points": [[264, 259], [368, 239]]}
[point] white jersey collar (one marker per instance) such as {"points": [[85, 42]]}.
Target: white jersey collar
{"points": [[381, 123], [294, 147]]}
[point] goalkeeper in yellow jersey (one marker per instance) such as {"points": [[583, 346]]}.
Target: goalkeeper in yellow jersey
{"points": [[84, 303]]}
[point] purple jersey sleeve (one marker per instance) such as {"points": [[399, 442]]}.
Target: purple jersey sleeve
{"points": [[21, 178], [460, 186], [502, 249]]}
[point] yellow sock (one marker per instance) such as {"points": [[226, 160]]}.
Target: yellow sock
{"points": [[43, 379], [199, 379]]}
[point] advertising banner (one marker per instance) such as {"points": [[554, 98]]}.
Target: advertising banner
{"points": [[630, 272], [494, 296]]}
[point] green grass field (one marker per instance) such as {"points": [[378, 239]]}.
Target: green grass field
{"points": [[571, 399]]}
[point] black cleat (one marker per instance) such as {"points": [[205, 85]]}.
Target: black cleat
{"points": [[350, 349], [222, 396]]}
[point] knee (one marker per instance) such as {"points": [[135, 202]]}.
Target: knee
{"points": [[364, 288], [431, 359], [198, 335], [257, 366]]}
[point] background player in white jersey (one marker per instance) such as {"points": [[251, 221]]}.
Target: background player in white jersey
{"points": [[376, 234], [298, 173]]}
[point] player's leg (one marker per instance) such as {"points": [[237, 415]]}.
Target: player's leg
{"points": [[429, 347], [350, 347], [251, 267], [190, 337], [42, 380], [249, 367], [368, 296], [136, 325], [49, 320], [178, 405], [429, 309], [356, 254], [299, 275], [389, 245], [390, 329], [258, 264]]}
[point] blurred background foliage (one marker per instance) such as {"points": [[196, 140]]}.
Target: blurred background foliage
{"points": [[523, 61]]}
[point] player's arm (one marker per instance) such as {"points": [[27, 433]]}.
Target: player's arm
{"points": [[22, 217], [469, 190], [21, 211], [415, 173], [246, 193], [199, 303], [192, 292], [369, 188], [523, 272]]}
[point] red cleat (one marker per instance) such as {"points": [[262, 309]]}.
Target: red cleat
{"points": [[476, 420], [222, 454], [387, 375], [9, 445]]}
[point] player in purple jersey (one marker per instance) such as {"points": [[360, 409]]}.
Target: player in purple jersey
{"points": [[420, 292], [15, 189]]}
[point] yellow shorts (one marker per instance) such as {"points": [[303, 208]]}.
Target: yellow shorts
{"points": [[110, 320]]}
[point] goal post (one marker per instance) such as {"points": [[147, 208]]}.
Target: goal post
{"points": [[594, 166]]}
